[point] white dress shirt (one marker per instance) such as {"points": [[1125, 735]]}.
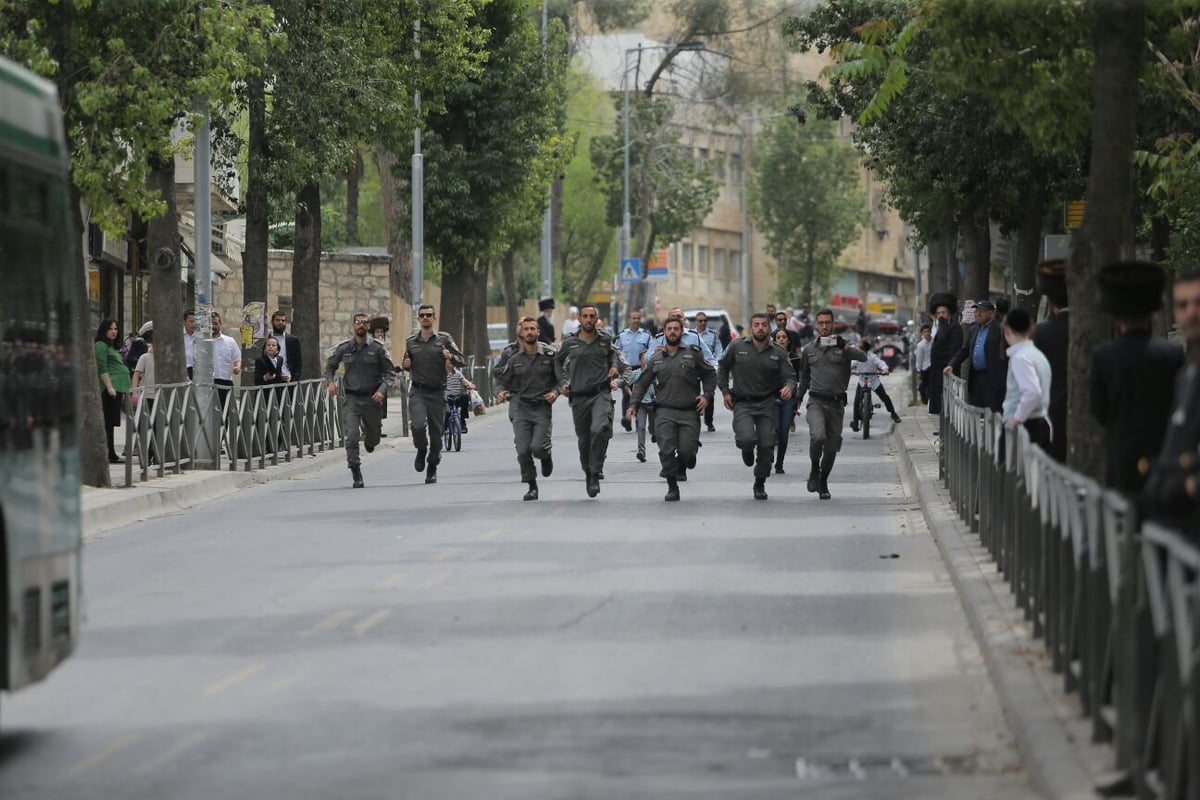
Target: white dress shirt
{"points": [[1028, 395], [923, 355], [226, 353], [282, 339]]}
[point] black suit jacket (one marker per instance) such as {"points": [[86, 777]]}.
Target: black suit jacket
{"points": [[945, 345], [295, 361], [1132, 388], [1166, 498], [995, 380], [1052, 337], [264, 366], [545, 330]]}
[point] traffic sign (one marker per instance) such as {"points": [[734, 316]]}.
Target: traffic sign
{"points": [[656, 270], [631, 270]]}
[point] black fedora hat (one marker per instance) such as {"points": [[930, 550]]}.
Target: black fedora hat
{"points": [[545, 303], [942, 299], [1052, 280], [1131, 288]]}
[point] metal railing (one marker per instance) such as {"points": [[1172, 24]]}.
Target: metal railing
{"points": [[1116, 603], [259, 426]]}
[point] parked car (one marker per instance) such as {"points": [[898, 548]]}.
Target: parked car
{"points": [[716, 318]]}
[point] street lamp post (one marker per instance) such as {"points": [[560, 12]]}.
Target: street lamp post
{"points": [[418, 199]]}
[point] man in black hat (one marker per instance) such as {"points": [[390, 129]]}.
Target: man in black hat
{"points": [[947, 341], [1052, 337], [545, 326], [1132, 376], [987, 376], [1172, 493]]}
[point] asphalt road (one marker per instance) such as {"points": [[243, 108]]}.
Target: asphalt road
{"points": [[306, 640]]}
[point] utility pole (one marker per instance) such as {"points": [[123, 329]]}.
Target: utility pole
{"points": [[208, 445], [548, 216], [418, 198]]}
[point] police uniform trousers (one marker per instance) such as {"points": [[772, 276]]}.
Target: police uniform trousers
{"points": [[531, 433], [756, 424], [361, 419], [678, 433], [427, 412], [825, 421], [593, 417]]}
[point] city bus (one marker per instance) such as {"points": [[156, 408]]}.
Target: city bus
{"points": [[39, 385]]}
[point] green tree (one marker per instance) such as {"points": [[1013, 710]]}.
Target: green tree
{"points": [[806, 199]]}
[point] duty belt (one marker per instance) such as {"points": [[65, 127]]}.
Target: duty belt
{"points": [[751, 398], [429, 387], [592, 392], [829, 398], [356, 393], [676, 408]]}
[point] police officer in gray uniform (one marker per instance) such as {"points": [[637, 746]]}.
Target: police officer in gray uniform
{"points": [[761, 372], [683, 387], [429, 354], [824, 373], [589, 368], [529, 377], [367, 372]]}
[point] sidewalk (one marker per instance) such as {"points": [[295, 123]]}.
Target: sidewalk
{"points": [[106, 509], [1047, 724]]}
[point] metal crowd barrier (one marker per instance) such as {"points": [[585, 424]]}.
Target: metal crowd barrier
{"points": [[259, 426], [1116, 603]]}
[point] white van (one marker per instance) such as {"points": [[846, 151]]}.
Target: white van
{"points": [[716, 318]]}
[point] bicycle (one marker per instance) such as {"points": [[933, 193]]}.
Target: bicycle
{"points": [[453, 435], [866, 401]]}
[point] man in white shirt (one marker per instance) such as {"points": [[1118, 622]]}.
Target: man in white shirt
{"points": [[571, 323], [1027, 400], [922, 361], [227, 358], [189, 341]]}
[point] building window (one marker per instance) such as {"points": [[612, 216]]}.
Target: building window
{"points": [[718, 166], [735, 169], [685, 256], [702, 158], [702, 259], [735, 264], [719, 263]]}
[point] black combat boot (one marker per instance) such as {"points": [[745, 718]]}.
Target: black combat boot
{"points": [[814, 476], [532, 494], [547, 468], [593, 485], [823, 486], [672, 491], [419, 462], [431, 473], [421, 442], [748, 456], [760, 489], [356, 474], [641, 455]]}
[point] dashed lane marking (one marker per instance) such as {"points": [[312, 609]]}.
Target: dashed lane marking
{"points": [[174, 752], [99, 757], [392, 580], [370, 622], [234, 679], [431, 581], [329, 623], [448, 553], [487, 536]]}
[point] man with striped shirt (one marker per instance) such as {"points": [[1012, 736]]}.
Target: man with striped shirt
{"points": [[458, 392]]}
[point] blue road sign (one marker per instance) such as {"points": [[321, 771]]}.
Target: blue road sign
{"points": [[631, 270]]}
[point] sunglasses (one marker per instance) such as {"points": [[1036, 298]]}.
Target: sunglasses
{"points": [[426, 315]]}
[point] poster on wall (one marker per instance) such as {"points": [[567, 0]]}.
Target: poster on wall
{"points": [[254, 322]]}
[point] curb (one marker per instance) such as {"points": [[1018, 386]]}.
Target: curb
{"points": [[1056, 769]]}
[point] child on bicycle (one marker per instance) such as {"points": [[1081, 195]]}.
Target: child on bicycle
{"points": [[458, 392], [868, 373]]}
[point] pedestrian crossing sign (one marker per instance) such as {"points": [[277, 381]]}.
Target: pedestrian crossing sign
{"points": [[631, 270]]}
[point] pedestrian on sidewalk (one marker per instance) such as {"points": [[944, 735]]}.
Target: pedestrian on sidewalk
{"points": [[1052, 337], [528, 380], [289, 348], [189, 341], [114, 381], [922, 362], [1172, 493], [367, 373], [1027, 400], [824, 374], [227, 361], [983, 353], [545, 323], [761, 373], [590, 367], [429, 354], [144, 379], [787, 408], [1132, 380], [684, 383], [947, 340]]}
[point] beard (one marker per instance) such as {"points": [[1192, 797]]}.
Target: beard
{"points": [[674, 340]]}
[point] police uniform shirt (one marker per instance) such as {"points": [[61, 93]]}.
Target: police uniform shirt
{"points": [[633, 344], [366, 368], [825, 371], [529, 376], [428, 365], [678, 378], [757, 374], [583, 365], [712, 341], [690, 337]]}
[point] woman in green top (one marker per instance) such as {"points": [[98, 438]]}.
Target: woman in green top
{"points": [[114, 380]]}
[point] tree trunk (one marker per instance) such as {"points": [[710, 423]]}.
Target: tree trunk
{"points": [[937, 268], [475, 322], [93, 450], [508, 266], [353, 176], [810, 271], [306, 271], [395, 209], [166, 297], [455, 280], [591, 274], [977, 253], [1029, 247], [1107, 233], [254, 259]]}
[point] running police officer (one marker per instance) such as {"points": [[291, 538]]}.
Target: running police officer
{"points": [[633, 342], [589, 368], [683, 388], [429, 355], [367, 372], [824, 373], [712, 341], [761, 372], [529, 379]]}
